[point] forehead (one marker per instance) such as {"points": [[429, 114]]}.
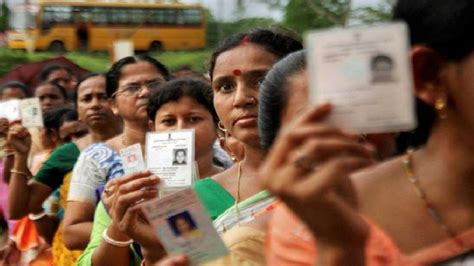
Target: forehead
{"points": [[184, 105], [138, 72], [297, 95], [245, 58], [46, 89], [91, 85]]}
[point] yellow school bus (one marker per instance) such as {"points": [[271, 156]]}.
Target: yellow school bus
{"points": [[95, 25]]}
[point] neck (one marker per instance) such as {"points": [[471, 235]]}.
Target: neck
{"points": [[452, 149], [253, 158], [134, 133], [206, 165], [103, 134]]}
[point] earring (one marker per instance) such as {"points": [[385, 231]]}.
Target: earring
{"points": [[440, 106], [233, 158], [221, 127]]}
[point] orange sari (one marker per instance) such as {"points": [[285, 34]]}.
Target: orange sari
{"points": [[289, 242]]}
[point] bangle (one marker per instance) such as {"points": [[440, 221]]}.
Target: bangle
{"points": [[13, 171], [36, 217], [113, 242]]}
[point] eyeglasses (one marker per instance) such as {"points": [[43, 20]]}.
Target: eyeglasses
{"points": [[136, 88]]}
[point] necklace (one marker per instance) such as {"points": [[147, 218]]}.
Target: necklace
{"points": [[430, 207], [237, 201]]}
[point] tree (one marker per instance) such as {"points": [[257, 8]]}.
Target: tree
{"points": [[4, 16], [370, 14], [302, 15]]}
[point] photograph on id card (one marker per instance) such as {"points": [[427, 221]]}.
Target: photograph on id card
{"points": [[184, 226], [365, 73]]}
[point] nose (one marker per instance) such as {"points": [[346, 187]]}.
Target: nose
{"points": [[95, 103], [181, 124], [144, 92], [244, 97]]}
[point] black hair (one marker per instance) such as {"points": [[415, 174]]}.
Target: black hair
{"points": [[48, 69], [113, 75], [14, 84], [380, 58], [74, 96], [60, 88], [277, 42], [176, 89], [444, 26], [55, 117], [273, 97]]}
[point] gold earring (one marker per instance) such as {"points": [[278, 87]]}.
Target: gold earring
{"points": [[440, 106], [221, 127]]}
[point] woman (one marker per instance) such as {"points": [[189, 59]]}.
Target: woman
{"points": [[179, 104], [129, 83], [94, 108], [236, 69], [415, 209]]}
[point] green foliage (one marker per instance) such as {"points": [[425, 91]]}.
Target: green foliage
{"points": [[228, 28], [100, 61], [381, 12], [5, 14], [302, 15]]}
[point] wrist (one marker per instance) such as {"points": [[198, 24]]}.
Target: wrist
{"points": [[152, 255], [115, 233]]}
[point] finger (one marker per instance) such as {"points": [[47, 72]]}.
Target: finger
{"points": [[124, 202], [328, 176], [127, 220], [128, 178], [290, 139], [177, 260], [139, 183], [317, 151]]}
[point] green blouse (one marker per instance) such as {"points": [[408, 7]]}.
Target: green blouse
{"points": [[212, 195], [58, 164]]}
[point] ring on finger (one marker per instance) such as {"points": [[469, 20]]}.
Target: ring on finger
{"points": [[305, 163]]}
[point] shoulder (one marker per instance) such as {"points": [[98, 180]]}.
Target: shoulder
{"points": [[379, 187], [100, 152]]}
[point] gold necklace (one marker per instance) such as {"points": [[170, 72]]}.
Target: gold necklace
{"points": [[421, 193], [237, 201]]}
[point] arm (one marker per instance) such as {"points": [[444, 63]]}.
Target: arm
{"points": [[7, 166], [24, 197], [47, 227], [78, 224]]}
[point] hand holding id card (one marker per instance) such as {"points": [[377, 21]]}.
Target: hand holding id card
{"points": [[365, 73], [184, 227], [170, 155], [28, 110]]}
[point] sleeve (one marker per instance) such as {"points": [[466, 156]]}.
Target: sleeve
{"points": [[101, 222], [57, 165], [87, 176]]}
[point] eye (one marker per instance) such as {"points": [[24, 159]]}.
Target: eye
{"points": [[132, 88], [194, 119], [225, 87], [168, 122], [86, 99]]}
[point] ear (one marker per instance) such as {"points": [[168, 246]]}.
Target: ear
{"points": [[151, 125], [113, 106], [428, 67]]}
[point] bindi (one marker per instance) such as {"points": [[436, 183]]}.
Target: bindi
{"points": [[237, 72]]}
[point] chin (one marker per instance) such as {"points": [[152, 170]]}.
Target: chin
{"points": [[248, 137]]}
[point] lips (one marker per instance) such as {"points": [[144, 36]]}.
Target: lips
{"points": [[95, 116], [246, 120]]}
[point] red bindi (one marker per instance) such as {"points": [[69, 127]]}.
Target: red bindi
{"points": [[245, 39], [237, 72]]}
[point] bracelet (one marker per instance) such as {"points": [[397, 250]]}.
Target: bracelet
{"points": [[13, 171], [36, 217], [113, 242]]}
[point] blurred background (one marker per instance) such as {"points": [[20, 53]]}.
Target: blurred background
{"points": [[179, 33]]}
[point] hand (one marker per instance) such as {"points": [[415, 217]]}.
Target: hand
{"points": [[177, 260], [309, 166], [19, 139], [126, 213], [3, 127], [109, 193]]}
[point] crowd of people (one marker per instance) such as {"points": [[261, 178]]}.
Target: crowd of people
{"points": [[282, 186]]}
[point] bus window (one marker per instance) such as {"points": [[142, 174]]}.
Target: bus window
{"points": [[57, 15], [192, 16], [99, 15]]}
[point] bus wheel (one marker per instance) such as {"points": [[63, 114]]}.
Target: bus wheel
{"points": [[56, 47], [155, 46]]}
